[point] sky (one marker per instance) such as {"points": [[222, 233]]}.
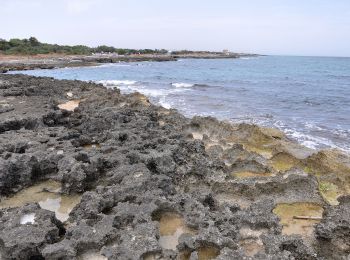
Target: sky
{"points": [[281, 27]]}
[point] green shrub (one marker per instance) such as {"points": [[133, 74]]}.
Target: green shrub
{"points": [[32, 46]]}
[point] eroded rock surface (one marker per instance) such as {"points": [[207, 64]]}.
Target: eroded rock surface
{"points": [[152, 184]]}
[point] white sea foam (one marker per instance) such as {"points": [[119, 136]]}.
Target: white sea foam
{"points": [[309, 144], [313, 142], [27, 219], [248, 58], [164, 103], [115, 83], [182, 85], [152, 92], [114, 65], [312, 126]]}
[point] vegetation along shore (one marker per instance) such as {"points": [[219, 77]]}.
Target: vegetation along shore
{"points": [[28, 54]]}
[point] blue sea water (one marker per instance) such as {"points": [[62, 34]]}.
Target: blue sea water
{"points": [[306, 97]]}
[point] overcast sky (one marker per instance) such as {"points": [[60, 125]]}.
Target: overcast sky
{"points": [[293, 27]]}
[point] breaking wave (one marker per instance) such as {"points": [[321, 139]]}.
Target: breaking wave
{"points": [[113, 83], [190, 85], [182, 85]]}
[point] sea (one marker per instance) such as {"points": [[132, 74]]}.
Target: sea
{"points": [[306, 97]]}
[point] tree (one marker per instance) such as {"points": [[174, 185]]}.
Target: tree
{"points": [[4, 45], [104, 48], [33, 41], [15, 42], [33, 46]]}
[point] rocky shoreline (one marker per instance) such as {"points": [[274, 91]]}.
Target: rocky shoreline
{"points": [[89, 173], [73, 61], [31, 63]]}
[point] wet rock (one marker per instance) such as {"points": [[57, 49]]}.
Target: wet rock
{"points": [[13, 92], [292, 247], [62, 250], [92, 234], [161, 164], [6, 109], [215, 151], [75, 180], [134, 244], [333, 233], [26, 239], [18, 123], [16, 172]]}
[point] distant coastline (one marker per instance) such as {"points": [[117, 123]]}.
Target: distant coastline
{"points": [[20, 62], [29, 54]]}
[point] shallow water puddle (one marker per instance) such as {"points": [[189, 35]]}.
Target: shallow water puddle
{"points": [[208, 252], [48, 197], [171, 227], [248, 174], [203, 253], [252, 246], [70, 105], [197, 135], [299, 218], [62, 205], [251, 242], [150, 256], [91, 146], [27, 219]]}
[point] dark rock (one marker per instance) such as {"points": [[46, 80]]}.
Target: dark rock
{"points": [[333, 233], [132, 162], [26, 241], [17, 172]]}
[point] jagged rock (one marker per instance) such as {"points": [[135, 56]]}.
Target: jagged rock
{"points": [[133, 162], [333, 233], [23, 239]]}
